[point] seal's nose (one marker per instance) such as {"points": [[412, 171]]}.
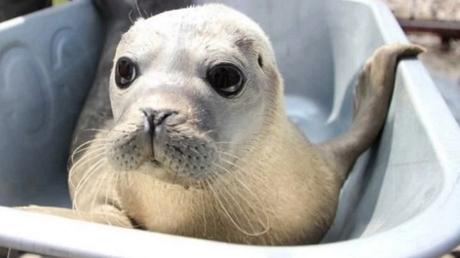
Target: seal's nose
{"points": [[155, 119]]}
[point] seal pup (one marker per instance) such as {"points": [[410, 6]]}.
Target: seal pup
{"points": [[200, 145]]}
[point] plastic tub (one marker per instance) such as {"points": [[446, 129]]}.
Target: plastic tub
{"points": [[401, 200]]}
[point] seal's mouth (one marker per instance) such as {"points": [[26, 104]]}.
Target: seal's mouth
{"points": [[155, 162], [164, 144]]}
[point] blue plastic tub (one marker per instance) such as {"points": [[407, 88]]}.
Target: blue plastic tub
{"points": [[401, 200]]}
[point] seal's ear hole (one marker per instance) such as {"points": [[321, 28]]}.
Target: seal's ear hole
{"points": [[260, 61]]}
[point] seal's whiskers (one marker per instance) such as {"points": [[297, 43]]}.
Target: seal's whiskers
{"points": [[238, 200], [91, 144], [88, 158], [89, 174]]}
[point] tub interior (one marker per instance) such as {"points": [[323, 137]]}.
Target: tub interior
{"points": [[320, 47]]}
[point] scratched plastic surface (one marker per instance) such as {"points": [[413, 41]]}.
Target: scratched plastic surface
{"points": [[401, 199]]}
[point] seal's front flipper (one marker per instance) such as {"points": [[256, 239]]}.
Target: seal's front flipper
{"points": [[371, 102], [103, 214]]}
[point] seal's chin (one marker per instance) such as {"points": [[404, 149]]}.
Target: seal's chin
{"points": [[177, 177], [187, 161], [175, 153]]}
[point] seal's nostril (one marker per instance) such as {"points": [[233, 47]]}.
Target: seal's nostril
{"points": [[162, 115], [156, 118], [149, 118]]}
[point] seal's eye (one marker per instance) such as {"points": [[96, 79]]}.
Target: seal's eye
{"points": [[226, 79], [125, 72]]}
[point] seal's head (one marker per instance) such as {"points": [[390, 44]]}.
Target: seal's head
{"points": [[200, 144], [190, 90]]}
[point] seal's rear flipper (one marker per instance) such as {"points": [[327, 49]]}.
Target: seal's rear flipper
{"points": [[371, 101]]}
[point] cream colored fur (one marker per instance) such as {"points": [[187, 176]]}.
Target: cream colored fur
{"points": [[267, 183]]}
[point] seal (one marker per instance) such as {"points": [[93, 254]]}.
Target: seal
{"points": [[199, 143]]}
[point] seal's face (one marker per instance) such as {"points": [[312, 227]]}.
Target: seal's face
{"points": [[189, 91]]}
